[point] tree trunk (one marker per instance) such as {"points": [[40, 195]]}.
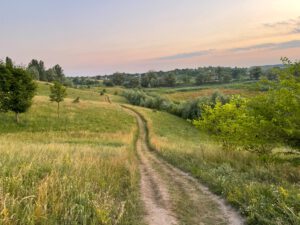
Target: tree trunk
{"points": [[17, 117], [58, 109]]}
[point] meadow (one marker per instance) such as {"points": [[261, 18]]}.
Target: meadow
{"points": [[264, 189], [78, 169]]}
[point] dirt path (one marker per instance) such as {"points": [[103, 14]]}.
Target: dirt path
{"points": [[172, 197]]}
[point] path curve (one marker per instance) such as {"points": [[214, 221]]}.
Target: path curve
{"points": [[165, 188]]}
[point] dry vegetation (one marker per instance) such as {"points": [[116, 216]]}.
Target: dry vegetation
{"points": [[80, 169]]}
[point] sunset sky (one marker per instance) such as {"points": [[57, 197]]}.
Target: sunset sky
{"points": [[90, 37]]}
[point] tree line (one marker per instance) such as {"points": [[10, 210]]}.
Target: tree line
{"points": [[186, 77], [256, 124]]}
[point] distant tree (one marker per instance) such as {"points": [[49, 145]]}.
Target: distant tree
{"points": [[256, 72], [60, 76], [227, 78], [219, 71], [39, 65], [170, 80], [51, 75], [57, 94], [108, 83], [236, 73], [9, 63], [186, 79], [118, 78], [34, 73], [17, 90], [272, 74], [201, 79], [132, 82]]}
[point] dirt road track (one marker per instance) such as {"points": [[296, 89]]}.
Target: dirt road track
{"points": [[171, 196]]}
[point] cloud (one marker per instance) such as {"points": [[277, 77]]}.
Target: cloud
{"points": [[270, 46], [296, 30], [278, 24], [282, 23], [187, 55], [288, 44], [252, 47], [264, 46]]}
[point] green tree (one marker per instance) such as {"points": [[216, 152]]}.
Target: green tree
{"points": [[51, 75], [9, 63], [40, 67], [5, 84], [170, 80], [57, 94], [118, 78], [60, 76], [255, 73], [17, 90]]}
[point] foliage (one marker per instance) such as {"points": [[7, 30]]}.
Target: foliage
{"points": [[16, 89], [255, 72], [57, 94], [265, 190], [188, 110], [261, 122]]}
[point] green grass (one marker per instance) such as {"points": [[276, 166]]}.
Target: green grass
{"points": [[246, 85], [78, 169], [265, 190], [44, 90]]}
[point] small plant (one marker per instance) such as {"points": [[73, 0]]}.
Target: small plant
{"points": [[76, 100], [57, 94]]}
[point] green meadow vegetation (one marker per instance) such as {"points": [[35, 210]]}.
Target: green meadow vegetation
{"points": [[245, 148], [80, 168], [68, 155], [265, 190]]}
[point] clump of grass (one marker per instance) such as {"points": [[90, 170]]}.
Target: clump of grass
{"points": [[265, 190]]}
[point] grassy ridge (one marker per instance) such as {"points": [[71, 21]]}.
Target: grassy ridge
{"points": [[266, 192], [79, 169]]}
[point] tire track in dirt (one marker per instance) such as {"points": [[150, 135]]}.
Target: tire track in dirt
{"points": [[172, 197]]}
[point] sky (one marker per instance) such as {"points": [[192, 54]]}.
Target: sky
{"points": [[93, 37]]}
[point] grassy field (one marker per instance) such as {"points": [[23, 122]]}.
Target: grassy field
{"points": [[190, 95], [266, 191], [79, 169]]}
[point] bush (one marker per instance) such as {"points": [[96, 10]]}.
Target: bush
{"points": [[259, 123], [187, 110]]}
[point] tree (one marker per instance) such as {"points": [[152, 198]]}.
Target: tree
{"points": [[227, 78], [34, 72], [60, 76], [5, 83], [57, 94], [235, 73], [9, 63], [201, 78], [170, 80], [17, 90], [255, 72], [118, 78], [51, 75], [40, 67]]}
